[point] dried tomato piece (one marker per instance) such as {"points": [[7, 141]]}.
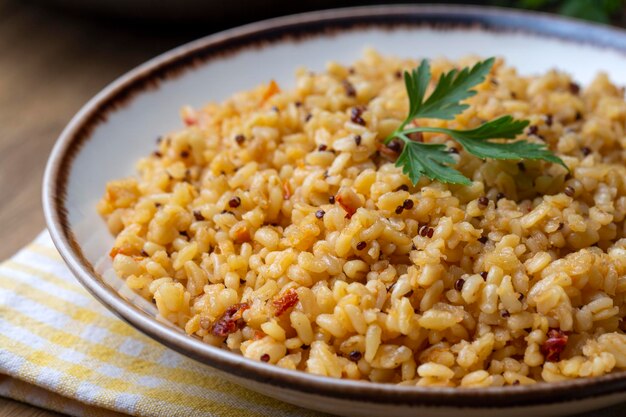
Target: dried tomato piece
{"points": [[230, 321], [285, 302], [554, 345]]}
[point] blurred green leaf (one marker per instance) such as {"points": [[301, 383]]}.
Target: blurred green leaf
{"points": [[603, 11], [595, 10]]}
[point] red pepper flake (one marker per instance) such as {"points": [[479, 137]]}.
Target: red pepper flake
{"points": [[272, 89], [554, 345], [348, 201], [286, 190], [190, 120], [230, 321], [285, 302], [123, 250], [416, 136]]}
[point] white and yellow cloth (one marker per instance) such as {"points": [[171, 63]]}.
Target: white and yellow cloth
{"points": [[61, 350]]}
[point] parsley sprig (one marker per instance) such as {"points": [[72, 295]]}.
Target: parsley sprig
{"points": [[445, 102]]}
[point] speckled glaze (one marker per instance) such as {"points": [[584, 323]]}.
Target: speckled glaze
{"points": [[120, 124]]}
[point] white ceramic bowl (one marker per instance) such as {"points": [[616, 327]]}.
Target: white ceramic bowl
{"points": [[121, 123]]}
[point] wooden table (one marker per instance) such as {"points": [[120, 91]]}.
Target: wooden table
{"points": [[50, 65]]}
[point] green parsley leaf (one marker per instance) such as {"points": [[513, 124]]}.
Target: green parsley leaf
{"points": [[445, 100], [486, 141], [430, 160]]}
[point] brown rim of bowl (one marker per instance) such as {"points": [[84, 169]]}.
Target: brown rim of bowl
{"points": [[185, 57]]}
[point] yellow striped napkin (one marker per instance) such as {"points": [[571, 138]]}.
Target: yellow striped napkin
{"points": [[61, 350]]}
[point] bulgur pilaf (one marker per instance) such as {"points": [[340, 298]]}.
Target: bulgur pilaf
{"points": [[276, 225]]}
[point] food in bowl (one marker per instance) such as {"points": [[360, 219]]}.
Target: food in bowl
{"points": [[277, 224]]}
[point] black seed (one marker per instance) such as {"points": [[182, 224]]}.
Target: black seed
{"points": [[500, 196], [408, 204], [513, 94], [305, 347], [403, 187], [520, 297], [453, 150], [322, 147], [561, 226], [349, 88], [355, 115], [408, 294], [431, 232], [549, 119], [242, 281], [157, 154], [361, 245], [413, 247], [198, 216], [399, 210], [574, 88], [533, 130], [579, 116], [484, 274], [184, 154], [458, 284], [331, 199], [265, 357], [423, 231], [157, 205], [521, 166], [585, 150], [320, 214], [144, 253], [483, 201], [184, 233], [395, 145], [483, 239], [234, 202], [398, 74], [357, 140], [240, 139], [298, 104], [569, 191], [355, 355], [505, 313], [308, 117]]}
